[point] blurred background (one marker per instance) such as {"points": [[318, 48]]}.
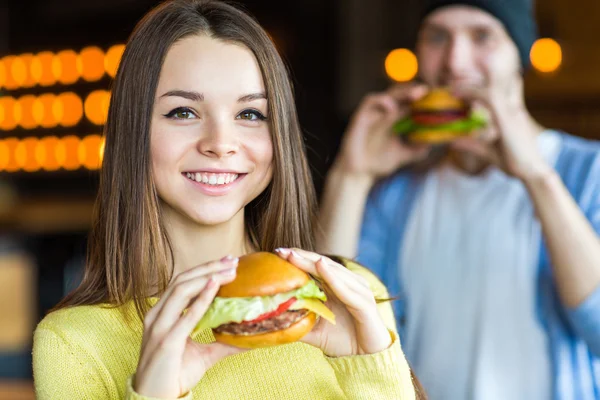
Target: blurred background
{"points": [[57, 60]]}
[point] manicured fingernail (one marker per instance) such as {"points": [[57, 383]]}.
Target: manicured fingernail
{"points": [[296, 254], [230, 260], [282, 250], [228, 272]]}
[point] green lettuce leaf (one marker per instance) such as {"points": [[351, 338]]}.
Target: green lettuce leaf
{"points": [[224, 310], [473, 122]]}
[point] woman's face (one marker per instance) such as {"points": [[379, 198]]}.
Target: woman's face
{"points": [[211, 148]]}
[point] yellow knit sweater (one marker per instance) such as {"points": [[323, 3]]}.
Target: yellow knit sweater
{"points": [[91, 352]]}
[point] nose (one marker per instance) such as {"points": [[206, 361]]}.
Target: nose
{"points": [[459, 56], [219, 140]]}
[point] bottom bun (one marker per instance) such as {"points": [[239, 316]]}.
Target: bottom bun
{"points": [[292, 334], [435, 137]]}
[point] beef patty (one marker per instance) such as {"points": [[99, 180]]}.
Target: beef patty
{"points": [[280, 322]]}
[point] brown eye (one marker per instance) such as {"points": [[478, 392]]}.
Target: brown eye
{"points": [[251, 115], [181, 113]]}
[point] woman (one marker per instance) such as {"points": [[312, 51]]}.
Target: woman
{"points": [[204, 161]]}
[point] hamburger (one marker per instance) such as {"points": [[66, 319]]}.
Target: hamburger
{"points": [[439, 117], [270, 302]]}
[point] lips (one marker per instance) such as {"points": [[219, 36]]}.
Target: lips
{"points": [[212, 178], [212, 183]]}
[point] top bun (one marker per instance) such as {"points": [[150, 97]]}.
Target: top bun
{"points": [[264, 274], [438, 99]]}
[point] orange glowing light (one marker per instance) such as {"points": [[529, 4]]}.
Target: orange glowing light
{"points": [[89, 152], [9, 80], [67, 153], [401, 65], [67, 109], [546, 55], [96, 106], [4, 155], [113, 58], [45, 153], [27, 119], [91, 62], [64, 67], [25, 155], [9, 109], [10, 165], [42, 111], [41, 69], [2, 74]]}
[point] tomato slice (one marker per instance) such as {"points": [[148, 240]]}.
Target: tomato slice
{"points": [[283, 307], [436, 119]]}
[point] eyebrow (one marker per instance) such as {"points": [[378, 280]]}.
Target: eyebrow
{"points": [[186, 94], [198, 97], [251, 97]]}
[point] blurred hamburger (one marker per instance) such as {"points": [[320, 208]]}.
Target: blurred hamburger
{"points": [[439, 117], [270, 302]]}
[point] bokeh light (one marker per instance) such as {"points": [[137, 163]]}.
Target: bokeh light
{"points": [[113, 58], [67, 109], [4, 155], [45, 153], [2, 74], [64, 67], [42, 111], [41, 69], [25, 107], [9, 80], [401, 65], [91, 64], [67, 153], [89, 152], [8, 158], [25, 155], [20, 71], [96, 106], [9, 108], [546, 55]]}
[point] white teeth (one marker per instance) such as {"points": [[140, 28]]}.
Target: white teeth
{"points": [[211, 179]]}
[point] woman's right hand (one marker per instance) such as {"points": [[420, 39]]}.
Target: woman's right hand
{"points": [[369, 147], [171, 363]]}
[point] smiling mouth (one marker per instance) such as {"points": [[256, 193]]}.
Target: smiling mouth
{"points": [[212, 179]]}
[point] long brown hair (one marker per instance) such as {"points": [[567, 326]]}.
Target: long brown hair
{"points": [[129, 254]]}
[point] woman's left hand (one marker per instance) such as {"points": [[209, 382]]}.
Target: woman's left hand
{"points": [[359, 328]]}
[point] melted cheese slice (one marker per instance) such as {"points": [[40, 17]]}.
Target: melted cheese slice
{"points": [[315, 306]]}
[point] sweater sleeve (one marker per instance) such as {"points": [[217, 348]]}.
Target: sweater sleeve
{"points": [[62, 371], [384, 375]]}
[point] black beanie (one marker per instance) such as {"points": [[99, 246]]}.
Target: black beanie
{"points": [[516, 15]]}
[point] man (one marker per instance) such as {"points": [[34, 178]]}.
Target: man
{"points": [[494, 251]]}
